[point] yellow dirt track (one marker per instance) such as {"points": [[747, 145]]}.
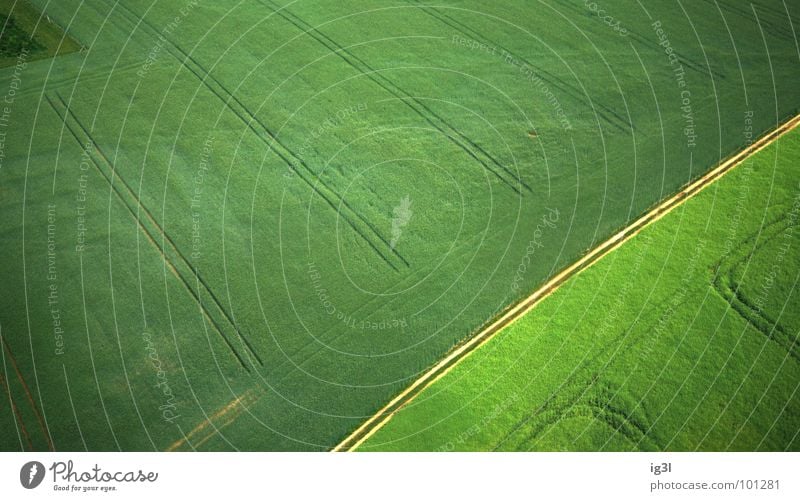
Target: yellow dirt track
{"points": [[379, 419]]}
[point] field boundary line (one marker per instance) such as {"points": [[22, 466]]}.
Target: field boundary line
{"points": [[379, 419]]}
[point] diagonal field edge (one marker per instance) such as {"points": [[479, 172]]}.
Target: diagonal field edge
{"points": [[379, 419]]}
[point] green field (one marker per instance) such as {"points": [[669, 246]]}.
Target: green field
{"points": [[693, 343], [247, 225]]}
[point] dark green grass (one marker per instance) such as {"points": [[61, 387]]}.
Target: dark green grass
{"points": [[246, 162], [25, 32], [15, 41], [685, 338]]}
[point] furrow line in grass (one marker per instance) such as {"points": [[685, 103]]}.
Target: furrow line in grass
{"points": [[17, 415], [570, 382], [606, 113], [747, 14], [691, 64], [288, 156], [597, 409], [159, 230], [291, 159], [619, 418], [724, 281], [28, 395], [774, 331], [585, 364], [756, 318], [593, 399], [412, 102], [702, 70], [81, 78], [435, 120], [782, 15], [330, 198], [150, 236], [310, 357], [553, 401], [444, 366]]}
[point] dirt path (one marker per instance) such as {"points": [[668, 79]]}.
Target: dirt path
{"points": [[220, 419], [29, 396], [377, 421]]}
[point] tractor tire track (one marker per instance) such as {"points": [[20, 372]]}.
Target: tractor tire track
{"points": [[161, 231], [435, 120], [330, 198], [593, 399], [291, 159], [609, 115], [771, 28], [81, 78], [730, 288], [585, 365], [65, 114], [782, 15], [690, 64], [647, 42]]}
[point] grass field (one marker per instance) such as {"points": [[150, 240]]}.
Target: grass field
{"points": [[248, 224], [692, 343]]}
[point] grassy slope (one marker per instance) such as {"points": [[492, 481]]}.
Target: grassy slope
{"points": [[646, 350], [318, 377]]}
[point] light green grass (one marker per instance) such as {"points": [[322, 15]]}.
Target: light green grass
{"points": [[249, 160], [685, 338]]}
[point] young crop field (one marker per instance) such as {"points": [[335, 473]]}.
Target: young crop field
{"points": [[693, 343], [249, 224]]}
